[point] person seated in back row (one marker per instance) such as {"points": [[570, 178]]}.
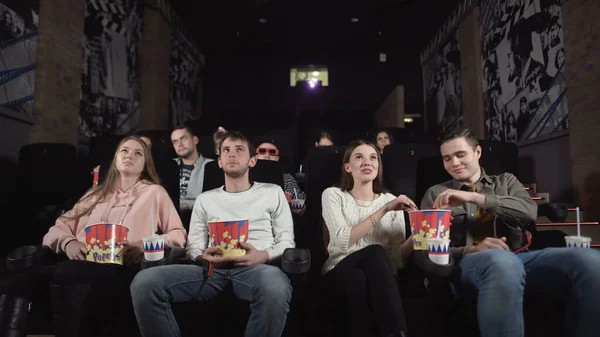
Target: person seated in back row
{"points": [[269, 151], [191, 168], [252, 277], [383, 138], [490, 241]]}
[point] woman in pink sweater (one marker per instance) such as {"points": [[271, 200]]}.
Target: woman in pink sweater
{"points": [[96, 296], [131, 190]]}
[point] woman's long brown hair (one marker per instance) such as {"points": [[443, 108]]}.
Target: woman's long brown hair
{"points": [[101, 192], [347, 181]]}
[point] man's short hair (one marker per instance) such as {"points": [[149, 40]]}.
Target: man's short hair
{"points": [[236, 135], [187, 128], [467, 134]]}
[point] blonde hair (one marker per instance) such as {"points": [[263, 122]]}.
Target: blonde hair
{"points": [[102, 191]]}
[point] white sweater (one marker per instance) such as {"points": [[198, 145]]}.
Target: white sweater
{"points": [[341, 211], [270, 228]]}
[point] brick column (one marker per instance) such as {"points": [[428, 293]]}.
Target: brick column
{"points": [[471, 70], [582, 70], [154, 70], [58, 72]]}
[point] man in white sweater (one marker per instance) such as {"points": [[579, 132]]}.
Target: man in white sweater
{"points": [[251, 276]]}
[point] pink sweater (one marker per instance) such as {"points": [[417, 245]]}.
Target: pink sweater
{"points": [[132, 207]]}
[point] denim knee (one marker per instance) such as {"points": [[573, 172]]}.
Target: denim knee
{"points": [[501, 269], [586, 262], [273, 285], [144, 285]]}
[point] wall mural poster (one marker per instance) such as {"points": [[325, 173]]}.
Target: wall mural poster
{"points": [[185, 72], [18, 46], [110, 95], [443, 87], [523, 64]]}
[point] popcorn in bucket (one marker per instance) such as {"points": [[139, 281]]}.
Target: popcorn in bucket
{"points": [[101, 242], [429, 224], [227, 235]]}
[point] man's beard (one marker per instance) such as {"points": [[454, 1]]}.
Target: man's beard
{"points": [[188, 154], [235, 173]]}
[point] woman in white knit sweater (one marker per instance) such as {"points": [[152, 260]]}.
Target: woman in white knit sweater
{"points": [[367, 233]]}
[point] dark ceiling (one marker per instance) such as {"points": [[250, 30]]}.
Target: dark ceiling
{"points": [[304, 26]]}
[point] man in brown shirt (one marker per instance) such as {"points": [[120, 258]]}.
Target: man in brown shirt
{"points": [[490, 240]]}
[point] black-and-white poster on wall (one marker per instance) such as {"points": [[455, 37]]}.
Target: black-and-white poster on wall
{"points": [[443, 87], [523, 61], [18, 46], [185, 72], [110, 95]]}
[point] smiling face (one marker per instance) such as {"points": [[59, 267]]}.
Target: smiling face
{"points": [[363, 164], [461, 159], [130, 158]]}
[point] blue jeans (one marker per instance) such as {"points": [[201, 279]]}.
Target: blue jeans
{"points": [[266, 287], [501, 278]]}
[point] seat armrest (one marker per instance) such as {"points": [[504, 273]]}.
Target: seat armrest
{"points": [[553, 211], [172, 256], [430, 268], [25, 257], [295, 260]]}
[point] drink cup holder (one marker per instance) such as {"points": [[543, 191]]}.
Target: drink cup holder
{"points": [[172, 256]]}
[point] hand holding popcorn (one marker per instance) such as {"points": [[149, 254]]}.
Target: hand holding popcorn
{"points": [[253, 256], [219, 262], [76, 250]]}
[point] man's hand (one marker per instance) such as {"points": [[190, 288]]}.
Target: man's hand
{"points": [[218, 262], [76, 250], [453, 198], [132, 252], [488, 243], [253, 256], [401, 203], [183, 207]]}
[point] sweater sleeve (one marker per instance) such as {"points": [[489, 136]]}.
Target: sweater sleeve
{"points": [[283, 227], [198, 236], [64, 229], [169, 221], [339, 230], [398, 232]]}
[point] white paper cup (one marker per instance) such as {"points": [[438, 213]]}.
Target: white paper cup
{"points": [[575, 241], [297, 205], [439, 250], [154, 247]]}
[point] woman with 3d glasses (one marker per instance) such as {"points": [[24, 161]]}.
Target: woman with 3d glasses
{"points": [[269, 151]]}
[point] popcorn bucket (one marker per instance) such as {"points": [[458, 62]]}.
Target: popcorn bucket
{"points": [[428, 224], [101, 242], [227, 235]]}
